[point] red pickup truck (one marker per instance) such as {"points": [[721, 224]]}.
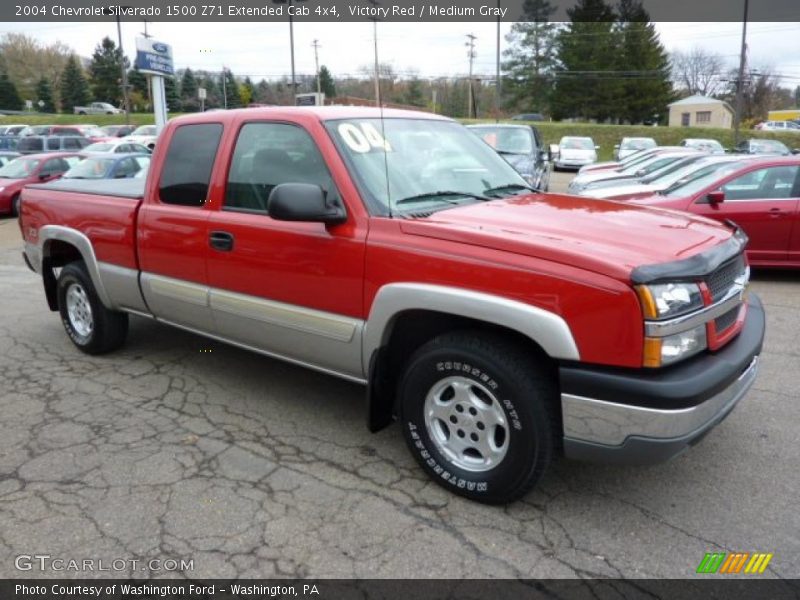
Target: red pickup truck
{"points": [[500, 326]]}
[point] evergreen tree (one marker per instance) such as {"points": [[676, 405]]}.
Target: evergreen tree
{"points": [[531, 58], [247, 91], [645, 89], [105, 72], [9, 97], [230, 89], [213, 92], [586, 48], [44, 94], [414, 95], [74, 89], [326, 83], [138, 81], [189, 89], [172, 94], [263, 93]]}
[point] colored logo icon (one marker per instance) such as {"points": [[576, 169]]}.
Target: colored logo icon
{"points": [[731, 563]]}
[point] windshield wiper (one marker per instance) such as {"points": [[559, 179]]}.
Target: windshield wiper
{"points": [[510, 152], [509, 187], [442, 193]]}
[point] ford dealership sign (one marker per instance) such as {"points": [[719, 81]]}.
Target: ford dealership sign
{"points": [[154, 57]]}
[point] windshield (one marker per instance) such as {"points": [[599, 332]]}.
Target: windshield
{"points": [[769, 146], [677, 166], [699, 183], [637, 144], [686, 173], [99, 148], [145, 130], [707, 145], [423, 158], [575, 143], [91, 168], [19, 168], [511, 140], [649, 165]]}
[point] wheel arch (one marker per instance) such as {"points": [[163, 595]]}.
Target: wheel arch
{"points": [[59, 246], [404, 316]]}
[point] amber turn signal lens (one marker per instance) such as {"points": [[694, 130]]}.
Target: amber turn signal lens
{"points": [[648, 303], [652, 352]]}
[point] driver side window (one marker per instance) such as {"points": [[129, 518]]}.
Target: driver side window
{"points": [[772, 183], [267, 155]]}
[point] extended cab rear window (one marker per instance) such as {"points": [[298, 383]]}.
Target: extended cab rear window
{"points": [[187, 168]]}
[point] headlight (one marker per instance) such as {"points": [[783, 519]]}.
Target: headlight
{"points": [[667, 300], [659, 352]]}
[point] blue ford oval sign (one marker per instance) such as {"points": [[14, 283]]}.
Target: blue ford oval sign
{"points": [[159, 47], [154, 58]]}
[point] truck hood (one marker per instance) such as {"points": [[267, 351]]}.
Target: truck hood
{"points": [[603, 236]]}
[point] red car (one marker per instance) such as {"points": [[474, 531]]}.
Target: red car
{"points": [[761, 195], [33, 168]]}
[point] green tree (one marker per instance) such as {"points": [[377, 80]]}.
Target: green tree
{"points": [[247, 91], [644, 65], [74, 88], [531, 58], [172, 94], [263, 93], [9, 97], [414, 96], [105, 72], [326, 83], [230, 89], [586, 85], [44, 94], [189, 88]]}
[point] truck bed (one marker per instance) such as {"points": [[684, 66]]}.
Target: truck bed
{"points": [[103, 210]]}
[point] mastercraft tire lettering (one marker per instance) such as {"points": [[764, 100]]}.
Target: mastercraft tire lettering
{"points": [[477, 414]]}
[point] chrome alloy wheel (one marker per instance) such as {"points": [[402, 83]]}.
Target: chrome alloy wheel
{"points": [[467, 423], [79, 310]]}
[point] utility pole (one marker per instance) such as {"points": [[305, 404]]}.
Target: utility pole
{"points": [[377, 68], [316, 60], [224, 88], [125, 101], [497, 83], [737, 118], [147, 36], [471, 45]]}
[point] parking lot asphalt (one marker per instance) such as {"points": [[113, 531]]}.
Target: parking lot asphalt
{"points": [[176, 447]]}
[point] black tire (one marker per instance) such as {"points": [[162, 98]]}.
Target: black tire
{"points": [[108, 328], [495, 372], [15, 204]]}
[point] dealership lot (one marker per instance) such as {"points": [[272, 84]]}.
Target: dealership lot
{"points": [[179, 448]]}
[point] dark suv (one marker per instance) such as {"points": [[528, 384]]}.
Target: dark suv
{"points": [[51, 143], [522, 147]]}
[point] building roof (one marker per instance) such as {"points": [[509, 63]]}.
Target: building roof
{"points": [[698, 99]]}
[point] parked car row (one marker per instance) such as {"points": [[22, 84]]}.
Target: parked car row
{"points": [[17, 171]]}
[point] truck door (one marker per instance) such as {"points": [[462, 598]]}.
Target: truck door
{"points": [[172, 233], [288, 288]]}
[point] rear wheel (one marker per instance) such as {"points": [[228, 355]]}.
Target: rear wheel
{"points": [[92, 327], [478, 415]]}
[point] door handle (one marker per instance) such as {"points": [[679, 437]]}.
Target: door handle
{"points": [[776, 212], [221, 240]]}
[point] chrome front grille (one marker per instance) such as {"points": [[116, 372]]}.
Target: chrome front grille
{"points": [[724, 278]]}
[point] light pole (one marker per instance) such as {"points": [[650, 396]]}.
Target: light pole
{"points": [[377, 67], [740, 80], [316, 62], [125, 101], [497, 83], [471, 45], [291, 43]]}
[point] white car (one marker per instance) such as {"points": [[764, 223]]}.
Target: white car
{"points": [[704, 145], [632, 171], [116, 146], [145, 135], [631, 145], [789, 126], [575, 152], [661, 180]]}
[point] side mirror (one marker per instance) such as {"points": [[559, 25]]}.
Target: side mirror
{"points": [[43, 176], [641, 173], [795, 150], [303, 202], [554, 151], [716, 197]]}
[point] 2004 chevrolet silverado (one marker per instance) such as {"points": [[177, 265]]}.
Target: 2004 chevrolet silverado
{"points": [[501, 327]]}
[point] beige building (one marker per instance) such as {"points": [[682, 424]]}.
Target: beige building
{"points": [[700, 111]]}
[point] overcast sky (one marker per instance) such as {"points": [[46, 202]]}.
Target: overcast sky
{"points": [[429, 49]]}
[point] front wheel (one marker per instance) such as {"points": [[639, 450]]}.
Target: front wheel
{"points": [[92, 327], [15, 205], [478, 414]]}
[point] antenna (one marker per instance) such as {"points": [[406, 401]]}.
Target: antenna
{"points": [[380, 108]]}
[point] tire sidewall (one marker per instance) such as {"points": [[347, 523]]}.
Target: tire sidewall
{"points": [[69, 276], [526, 436]]}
